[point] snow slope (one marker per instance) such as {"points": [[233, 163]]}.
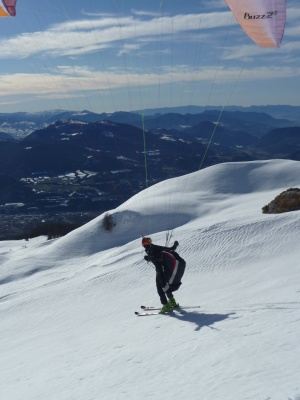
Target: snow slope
{"points": [[68, 329]]}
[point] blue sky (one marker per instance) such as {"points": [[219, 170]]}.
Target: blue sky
{"points": [[125, 55]]}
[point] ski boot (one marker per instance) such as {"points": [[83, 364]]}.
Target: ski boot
{"points": [[172, 303], [166, 309]]}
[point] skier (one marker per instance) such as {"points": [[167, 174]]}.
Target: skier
{"points": [[169, 268]]}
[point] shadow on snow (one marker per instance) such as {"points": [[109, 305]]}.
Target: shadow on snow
{"points": [[200, 319]]}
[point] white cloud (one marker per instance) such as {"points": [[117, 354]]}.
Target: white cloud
{"points": [[293, 14], [293, 31], [89, 35], [70, 81], [213, 4], [252, 51], [145, 13], [129, 48]]}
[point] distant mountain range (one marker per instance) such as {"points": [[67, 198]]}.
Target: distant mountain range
{"points": [[77, 165], [21, 124], [291, 113]]}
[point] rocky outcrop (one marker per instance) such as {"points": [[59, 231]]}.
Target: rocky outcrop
{"points": [[286, 201]]}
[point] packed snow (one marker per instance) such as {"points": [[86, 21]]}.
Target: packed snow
{"points": [[68, 328]]}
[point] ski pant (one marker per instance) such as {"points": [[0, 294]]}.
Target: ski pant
{"points": [[160, 284]]}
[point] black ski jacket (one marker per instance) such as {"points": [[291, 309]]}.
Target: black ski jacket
{"points": [[154, 253]]}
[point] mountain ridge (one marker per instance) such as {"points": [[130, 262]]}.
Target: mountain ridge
{"points": [[21, 124]]}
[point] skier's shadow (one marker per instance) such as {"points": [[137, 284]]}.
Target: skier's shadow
{"points": [[200, 319]]}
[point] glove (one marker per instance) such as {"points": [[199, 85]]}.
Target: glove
{"points": [[146, 258], [176, 243]]}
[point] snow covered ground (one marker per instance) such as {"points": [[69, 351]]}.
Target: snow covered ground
{"points": [[68, 328]]}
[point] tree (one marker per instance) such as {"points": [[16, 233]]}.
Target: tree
{"points": [[108, 222]]}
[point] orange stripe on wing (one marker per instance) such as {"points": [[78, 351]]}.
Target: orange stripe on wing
{"points": [[3, 13]]}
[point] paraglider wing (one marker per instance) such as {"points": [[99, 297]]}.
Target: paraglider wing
{"points": [[8, 8], [262, 20]]}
